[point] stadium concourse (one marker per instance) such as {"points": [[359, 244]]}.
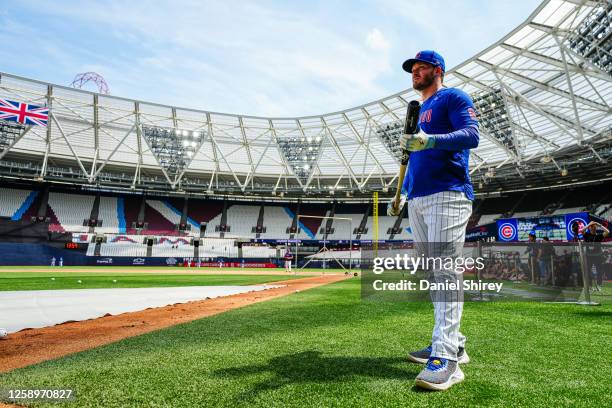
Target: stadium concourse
{"points": [[192, 213]]}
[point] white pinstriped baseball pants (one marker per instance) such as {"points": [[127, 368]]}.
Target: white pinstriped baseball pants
{"points": [[442, 218]]}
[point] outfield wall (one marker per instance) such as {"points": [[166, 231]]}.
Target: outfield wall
{"points": [[16, 254]]}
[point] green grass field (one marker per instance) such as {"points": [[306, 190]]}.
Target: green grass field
{"points": [[63, 280], [326, 347]]}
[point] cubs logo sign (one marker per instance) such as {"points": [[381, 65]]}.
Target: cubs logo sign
{"points": [[507, 232]]}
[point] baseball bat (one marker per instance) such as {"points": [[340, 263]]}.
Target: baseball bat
{"points": [[411, 127]]}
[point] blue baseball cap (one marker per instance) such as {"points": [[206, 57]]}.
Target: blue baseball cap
{"points": [[428, 56]]}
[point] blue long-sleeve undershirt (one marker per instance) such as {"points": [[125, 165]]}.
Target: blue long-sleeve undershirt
{"points": [[466, 138]]}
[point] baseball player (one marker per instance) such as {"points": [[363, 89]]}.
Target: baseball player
{"points": [[288, 259], [439, 194]]}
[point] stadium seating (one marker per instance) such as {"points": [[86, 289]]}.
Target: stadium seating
{"points": [[113, 219], [211, 247], [121, 239], [342, 228], [404, 234], [567, 210], [241, 219], [184, 251], [158, 223], [204, 210], [526, 214], [276, 220], [384, 224], [71, 210], [488, 218], [123, 249], [258, 252], [322, 224], [311, 226], [67, 211], [13, 201], [131, 208], [164, 208], [172, 241]]}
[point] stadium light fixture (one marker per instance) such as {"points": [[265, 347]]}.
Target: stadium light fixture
{"points": [[494, 118], [301, 154], [173, 148], [389, 134]]}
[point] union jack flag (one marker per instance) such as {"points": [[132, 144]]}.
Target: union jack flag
{"points": [[25, 113]]}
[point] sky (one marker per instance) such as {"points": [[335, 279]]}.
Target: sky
{"points": [[263, 58]]}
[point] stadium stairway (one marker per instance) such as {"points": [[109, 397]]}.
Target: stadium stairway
{"points": [[260, 222], [111, 216], [223, 218], [362, 227], [397, 225]]}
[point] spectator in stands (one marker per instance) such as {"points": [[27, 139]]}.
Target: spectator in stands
{"points": [[545, 254], [532, 250], [593, 251]]}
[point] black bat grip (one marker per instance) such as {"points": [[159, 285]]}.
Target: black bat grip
{"points": [[411, 126]]}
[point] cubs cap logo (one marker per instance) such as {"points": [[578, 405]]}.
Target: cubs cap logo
{"points": [[428, 56]]}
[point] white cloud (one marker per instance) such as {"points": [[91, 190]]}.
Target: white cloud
{"points": [[376, 40]]}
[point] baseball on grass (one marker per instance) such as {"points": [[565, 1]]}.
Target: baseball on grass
{"points": [[114, 280], [52, 278], [79, 281]]}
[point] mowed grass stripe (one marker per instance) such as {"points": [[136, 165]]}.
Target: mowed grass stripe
{"points": [[325, 347], [44, 281]]}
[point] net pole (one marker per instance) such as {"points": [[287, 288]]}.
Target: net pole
{"points": [[351, 246], [375, 223]]}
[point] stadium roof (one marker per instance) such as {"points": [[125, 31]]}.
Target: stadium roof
{"points": [[541, 91]]}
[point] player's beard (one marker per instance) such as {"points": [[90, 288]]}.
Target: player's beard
{"points": [[425, 81]]}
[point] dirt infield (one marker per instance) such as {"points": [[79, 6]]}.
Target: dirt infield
{"points": [[33, 346]]}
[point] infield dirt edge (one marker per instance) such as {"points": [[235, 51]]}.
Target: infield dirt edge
{"points": [[53, 342]]}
